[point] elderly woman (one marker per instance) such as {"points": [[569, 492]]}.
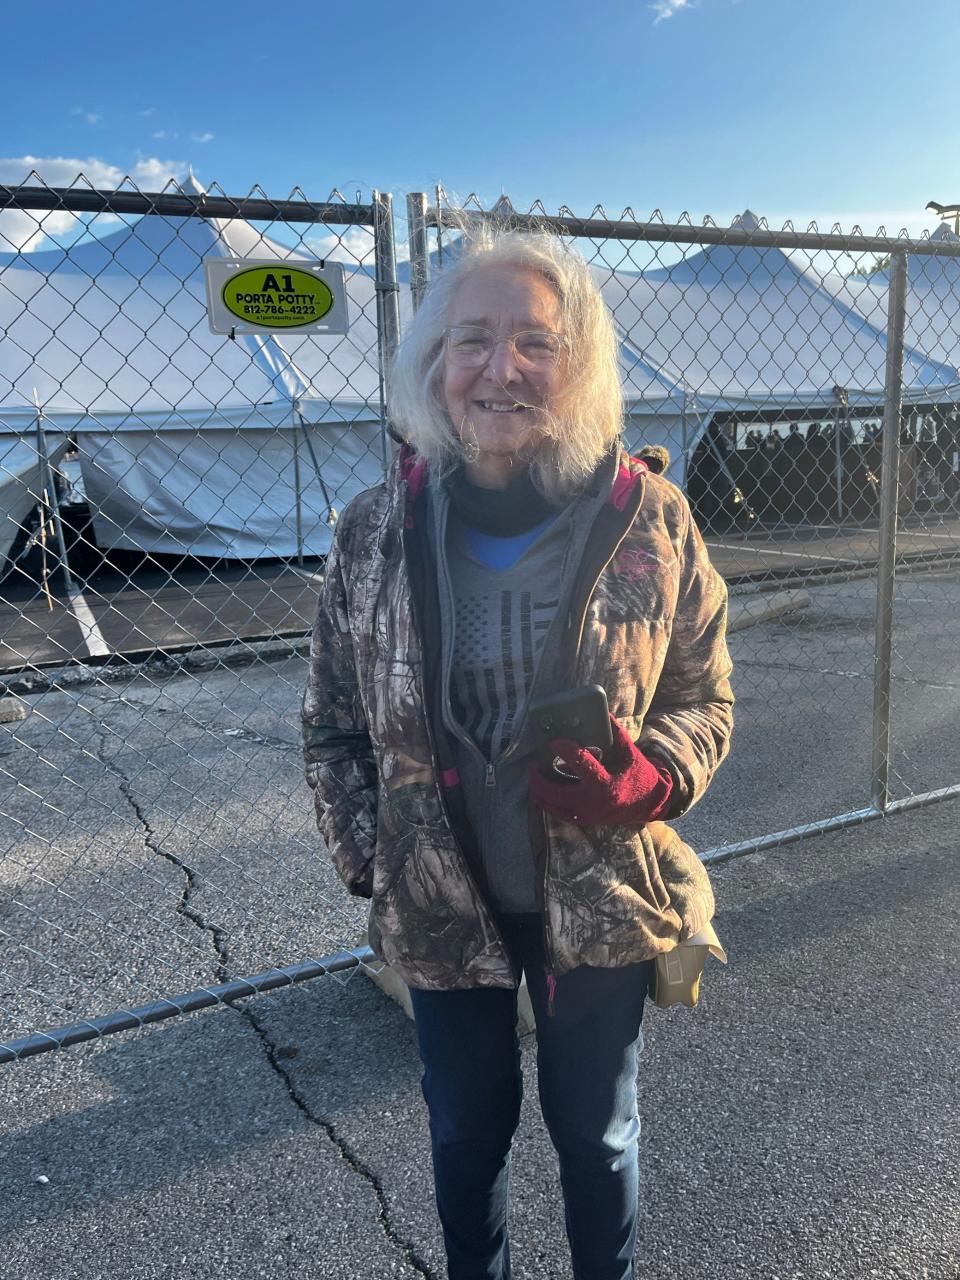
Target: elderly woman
{"points": [[517, 551]]}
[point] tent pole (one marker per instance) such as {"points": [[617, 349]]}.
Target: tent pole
{"points": [[48, 486], [838, 464], [298, 514], [838, 460], [718, 456], [331, 509]]}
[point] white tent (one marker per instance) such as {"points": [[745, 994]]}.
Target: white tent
{"points": [[189, 441], [932, 307], [196, 443], [747, 329]]}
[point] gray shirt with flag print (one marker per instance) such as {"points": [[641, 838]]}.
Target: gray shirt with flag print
{"points": [[501, 645]]}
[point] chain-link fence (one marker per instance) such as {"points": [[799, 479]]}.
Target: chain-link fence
{"points": [[168, 495], [157, 837], [806, 387]]}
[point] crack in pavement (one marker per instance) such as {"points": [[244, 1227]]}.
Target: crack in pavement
{"points": [[353, 1161], [218, 935]]}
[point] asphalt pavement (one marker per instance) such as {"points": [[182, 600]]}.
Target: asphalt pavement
{"points": [[801, 1123]]}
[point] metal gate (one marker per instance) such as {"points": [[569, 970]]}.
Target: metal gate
{"points": [[819, 447]]}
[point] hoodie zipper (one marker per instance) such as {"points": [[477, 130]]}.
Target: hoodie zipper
{"points": [[435, 767], [464, 860], [550, 974]]}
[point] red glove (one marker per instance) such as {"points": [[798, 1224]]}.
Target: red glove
{"points": [[627, 789]]}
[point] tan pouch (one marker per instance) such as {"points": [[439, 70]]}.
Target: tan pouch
{"points": [[677, 973]]}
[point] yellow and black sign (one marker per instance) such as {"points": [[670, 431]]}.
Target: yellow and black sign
{"points": [[267, 297]]}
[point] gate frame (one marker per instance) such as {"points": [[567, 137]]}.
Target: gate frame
{"points": [[422, 217], [378, 216]]}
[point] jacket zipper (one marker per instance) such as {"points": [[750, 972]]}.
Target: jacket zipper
{"points": [[452, 829], [489, 786], [550, 974], [464, 860], [435, 766]]}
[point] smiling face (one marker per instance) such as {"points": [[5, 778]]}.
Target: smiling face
{"points": [[497, 409]]}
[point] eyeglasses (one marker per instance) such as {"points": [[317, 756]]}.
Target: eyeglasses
{"points": [[470, 346]]}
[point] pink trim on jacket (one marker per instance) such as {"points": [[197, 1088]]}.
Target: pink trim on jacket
{"points": [[626, 478], [413, 472]]}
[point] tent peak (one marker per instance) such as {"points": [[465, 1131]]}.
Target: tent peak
{"points": [[747, 220], [193, 184], [943, 232]]}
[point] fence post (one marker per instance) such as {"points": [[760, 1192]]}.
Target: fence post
{"points": [[388, 301], [889, 497], [385, 250], [417, 234]]}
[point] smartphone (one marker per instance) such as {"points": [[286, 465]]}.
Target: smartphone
{"points": [[580, 714]]}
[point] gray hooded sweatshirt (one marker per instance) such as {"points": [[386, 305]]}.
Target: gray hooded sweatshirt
{"points": [[501, 632]]}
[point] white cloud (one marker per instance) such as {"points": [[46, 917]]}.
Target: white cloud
{"points": [[25, 229], [148, 111], [151, 173], [164, 135], [353, 244], [664, 9], [62, 171], [91, 117], [202, 137]]}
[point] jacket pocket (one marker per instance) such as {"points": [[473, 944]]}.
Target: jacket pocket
{"points": [[685, 878], [609, 901], [391, 859], [610, 869], [632, 855]]}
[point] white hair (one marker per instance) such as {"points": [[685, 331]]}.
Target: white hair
{"points": [[584, 417]]}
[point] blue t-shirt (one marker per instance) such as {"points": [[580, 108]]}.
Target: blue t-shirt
{"points": [[503, 553]]}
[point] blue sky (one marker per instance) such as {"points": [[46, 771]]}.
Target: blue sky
{"points": [[825, 109]]}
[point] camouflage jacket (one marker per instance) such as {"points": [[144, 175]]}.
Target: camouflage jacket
{"points": [[647, 621]]}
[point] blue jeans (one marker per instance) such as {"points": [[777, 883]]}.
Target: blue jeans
{"points": [[587, 1055]]}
